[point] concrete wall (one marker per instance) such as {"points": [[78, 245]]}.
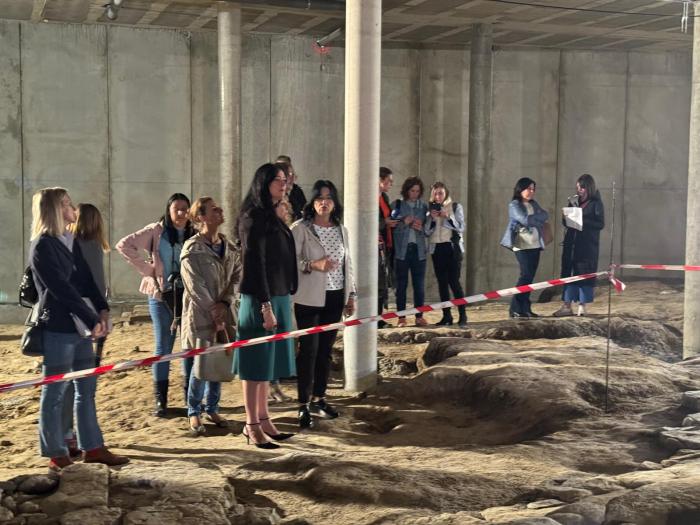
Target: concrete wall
{"points": [[124, 117]]}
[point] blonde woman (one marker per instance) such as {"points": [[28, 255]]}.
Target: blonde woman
{"points": [[88, 230], [211, 271], [63, 278]]}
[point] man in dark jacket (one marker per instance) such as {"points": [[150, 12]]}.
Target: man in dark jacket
{"points": [[294, 193]]}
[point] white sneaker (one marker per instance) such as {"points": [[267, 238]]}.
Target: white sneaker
{"points": [[581, 310]]}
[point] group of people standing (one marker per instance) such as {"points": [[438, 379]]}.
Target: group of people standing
{"points": [[527, 234], [288, 263], [410, 229]]}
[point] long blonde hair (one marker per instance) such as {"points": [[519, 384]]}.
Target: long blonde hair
{"points": [[47, 212], [89, 225]]}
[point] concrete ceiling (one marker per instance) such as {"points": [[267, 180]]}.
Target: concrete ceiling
{"points": [[568, 24]]}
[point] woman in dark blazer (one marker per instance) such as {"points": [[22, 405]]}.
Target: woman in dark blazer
{"points": [[68, 323], [580, 253], [269, 278]]}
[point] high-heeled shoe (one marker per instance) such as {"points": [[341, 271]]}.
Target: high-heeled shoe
{"points": [[266, 445], [280, 436]]}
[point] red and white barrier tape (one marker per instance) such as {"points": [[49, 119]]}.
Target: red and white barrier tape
{"points": [[676, 267], [135, 363]]}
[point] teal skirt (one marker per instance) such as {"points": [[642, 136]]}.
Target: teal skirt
{"points": [[267, 361]]}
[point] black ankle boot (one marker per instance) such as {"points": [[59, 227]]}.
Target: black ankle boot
{"points": [[161, 395], [304, 416], [446, 318], [462, 317]]}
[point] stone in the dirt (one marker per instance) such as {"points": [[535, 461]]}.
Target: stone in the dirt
{"points": [[566, 494], [28, 507], [590, 511], [6, 443], [6, 514], [676, 501], [650, 465], [533, 521], [81, 486], [9, 503], [569, 518], [675, 438], [40, 484], [691, 400], [94, 516], [544, 504], [38, 518], [152, 516], [692, 420]]}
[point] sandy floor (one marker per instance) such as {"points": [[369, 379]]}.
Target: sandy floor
{"points": [[412, 432]]}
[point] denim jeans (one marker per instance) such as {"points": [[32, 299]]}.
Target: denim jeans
{"points": [[162, 319], [528, 261], [67, 353], [578, 293], [196, 392], [417, 268]]}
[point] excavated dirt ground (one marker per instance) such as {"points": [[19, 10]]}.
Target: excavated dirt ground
{"points": [[480, 425]]}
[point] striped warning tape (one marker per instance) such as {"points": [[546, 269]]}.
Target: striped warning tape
{"points": [[676, 267], [135, 363]]}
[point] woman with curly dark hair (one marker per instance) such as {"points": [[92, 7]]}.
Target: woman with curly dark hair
{"points": [[410, 245]]}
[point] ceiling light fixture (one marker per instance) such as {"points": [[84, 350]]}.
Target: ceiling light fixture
{"points": [[112, 9]]}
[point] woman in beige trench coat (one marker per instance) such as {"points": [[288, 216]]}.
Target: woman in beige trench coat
{"points": [[211, 271]]}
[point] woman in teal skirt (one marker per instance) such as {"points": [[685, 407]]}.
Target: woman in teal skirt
{"points": [[269, 278]]}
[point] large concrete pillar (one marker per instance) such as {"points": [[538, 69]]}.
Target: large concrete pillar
{"points": [[363, 21], [480, 75], [691, 306], [229, 41]]}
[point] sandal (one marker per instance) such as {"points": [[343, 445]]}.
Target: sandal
{"points": [[217, 420]]}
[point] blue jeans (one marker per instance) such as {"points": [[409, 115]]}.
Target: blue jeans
{"points": [[162, 319], [67, 353], [196, 392], [578, 293], [417, 268], [528, 261]]}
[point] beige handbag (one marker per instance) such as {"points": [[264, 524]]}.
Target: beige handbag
{"points": [[526, 238], [214, 367]]}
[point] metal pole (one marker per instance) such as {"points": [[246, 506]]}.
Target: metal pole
{"points": [[610, 287]]}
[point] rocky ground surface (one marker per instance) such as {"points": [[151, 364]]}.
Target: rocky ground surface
{"points": [[504, 422]]}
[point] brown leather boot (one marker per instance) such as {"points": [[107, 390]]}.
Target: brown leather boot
{"points": [[104, 456], [59, 463]]}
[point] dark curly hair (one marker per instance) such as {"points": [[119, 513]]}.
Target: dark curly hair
{"points": [[409, 183]]}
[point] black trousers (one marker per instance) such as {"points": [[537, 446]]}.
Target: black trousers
{"points": [[314, 358], [448, 267], [528, 261]]}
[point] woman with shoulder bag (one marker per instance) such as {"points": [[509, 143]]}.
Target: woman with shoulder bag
{"points": [[326, 291], [269, 278], [524, 235], [63, 279], [162, 243], [211, 271], [444, 228]]}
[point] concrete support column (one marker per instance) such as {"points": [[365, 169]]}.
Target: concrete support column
{"points": [[691, 306], [363, 21], [229, 56], [480, 78]]}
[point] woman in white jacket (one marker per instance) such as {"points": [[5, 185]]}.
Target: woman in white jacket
{"points": [[326, 290]]}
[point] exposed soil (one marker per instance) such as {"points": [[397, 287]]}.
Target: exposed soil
{"points": [[466, 426]]}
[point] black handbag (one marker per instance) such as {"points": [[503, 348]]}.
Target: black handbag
{"points": [[31, 343], [28, 295]]}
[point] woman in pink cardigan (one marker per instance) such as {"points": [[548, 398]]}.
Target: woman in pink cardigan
{"points": [[161, 243]]}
